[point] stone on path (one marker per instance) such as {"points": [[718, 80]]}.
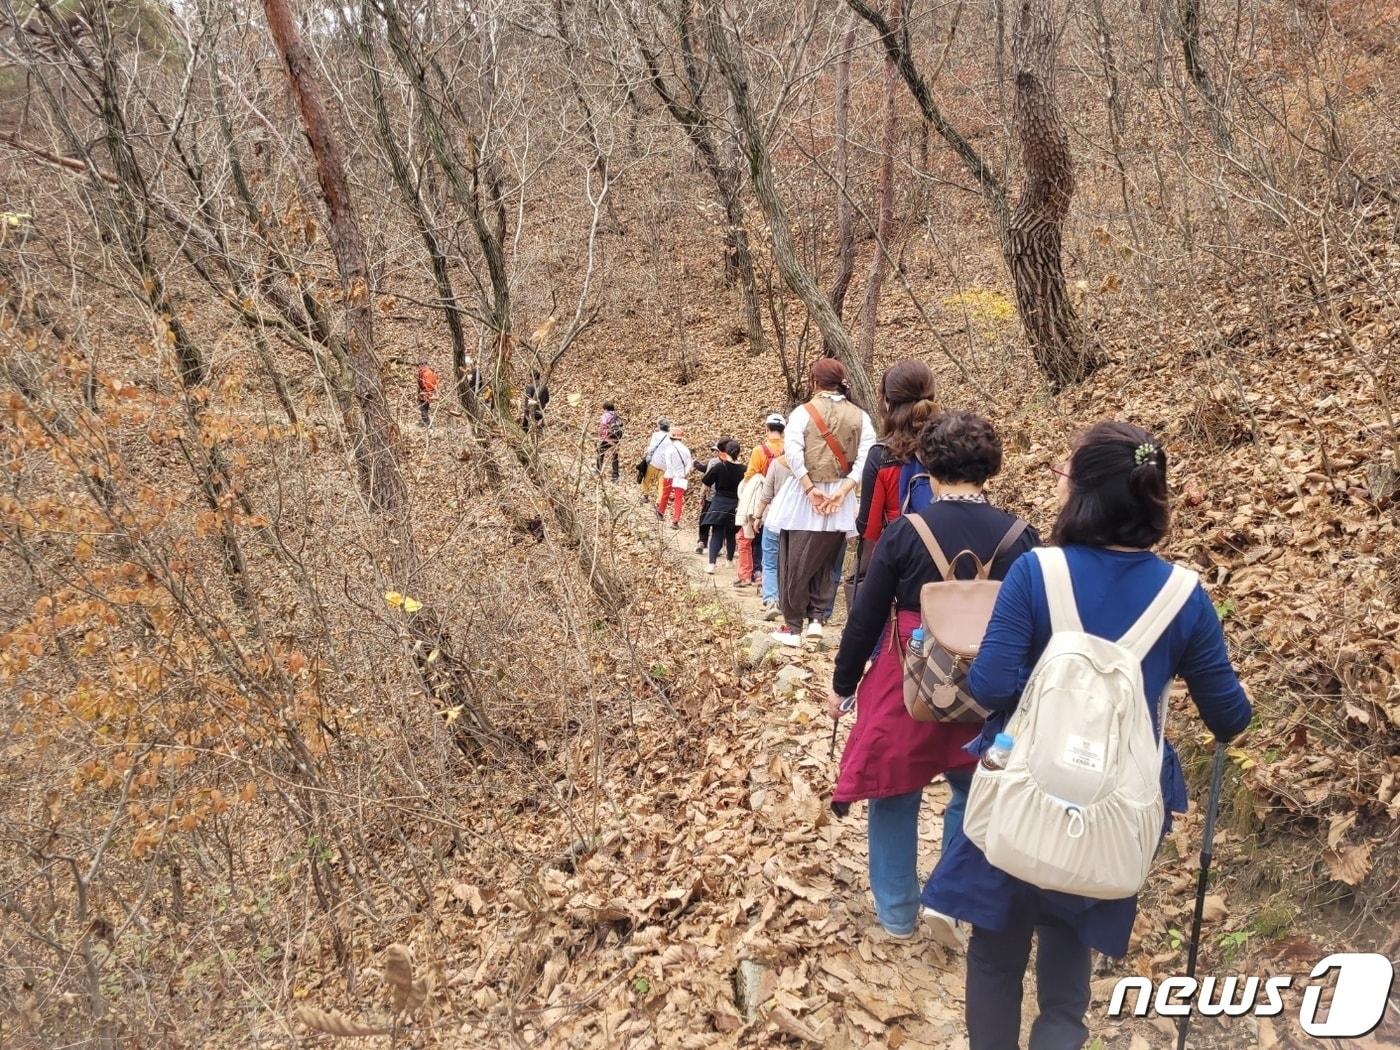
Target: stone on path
{"points": [[753, 984], [753, 647], [788, 681]]}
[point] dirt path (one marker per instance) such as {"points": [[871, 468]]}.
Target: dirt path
{"points": [[877, 989]]}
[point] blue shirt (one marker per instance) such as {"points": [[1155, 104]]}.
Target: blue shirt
{"points": [[1111, 590]]}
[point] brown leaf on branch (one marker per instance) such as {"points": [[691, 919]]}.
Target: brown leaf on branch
{"points": [[333, 1022]]}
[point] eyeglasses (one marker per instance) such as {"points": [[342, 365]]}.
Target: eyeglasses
{"points": [[1059, 470]]}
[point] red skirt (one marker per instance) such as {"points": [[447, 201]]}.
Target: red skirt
{"points": [[888, 753]]}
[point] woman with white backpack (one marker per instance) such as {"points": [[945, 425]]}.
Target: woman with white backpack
{"points": [[1084, 642]]}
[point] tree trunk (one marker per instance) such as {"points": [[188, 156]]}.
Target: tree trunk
{"points": [[884, 226], [1030, 238], [845, 219], [795, 276], [692, 118], [1032, 243], [442, 673], [1188, 28], [376, 453]]}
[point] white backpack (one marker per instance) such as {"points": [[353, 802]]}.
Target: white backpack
{"points": [[1078, 808]]}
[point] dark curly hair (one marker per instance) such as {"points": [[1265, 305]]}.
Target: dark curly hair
{"points": [[907, 390], [960, 447], [1117, 494]]}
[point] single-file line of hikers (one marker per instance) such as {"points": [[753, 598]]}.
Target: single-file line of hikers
{"points": [[1031, 676]]}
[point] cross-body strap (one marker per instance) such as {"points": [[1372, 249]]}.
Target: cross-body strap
{"points": [[934, 550], [1059, 590], [1158, 616], [842, 460]]}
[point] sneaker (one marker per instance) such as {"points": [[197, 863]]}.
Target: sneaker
{"points": [[949, 932], [710, 569], [787, 636], [659, 515], [675, 524], [699, 548], [814, 629], [771, 611], [742, 583], [909, 935]]}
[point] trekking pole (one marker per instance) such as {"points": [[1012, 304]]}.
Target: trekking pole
{"points": [[846, 705], [1217, 771]]}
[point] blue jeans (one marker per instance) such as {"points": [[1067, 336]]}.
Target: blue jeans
{"points": [[894, 850], [770, 564]]}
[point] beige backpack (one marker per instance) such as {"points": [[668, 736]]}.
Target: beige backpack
{"points": [[954, 615]]}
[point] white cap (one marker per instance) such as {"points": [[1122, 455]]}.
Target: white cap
{"points": [[775, 420]]}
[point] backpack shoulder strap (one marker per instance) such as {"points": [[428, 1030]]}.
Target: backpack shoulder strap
{"points": [[909, 489], [1159, 614], [1059, 590], [1007, 542], [934, 550]]}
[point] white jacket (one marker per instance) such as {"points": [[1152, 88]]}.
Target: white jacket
{"points": [[750, 492], [676, 461], [656, 446]]}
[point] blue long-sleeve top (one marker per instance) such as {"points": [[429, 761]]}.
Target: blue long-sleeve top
{"points": [[1111, 590]]}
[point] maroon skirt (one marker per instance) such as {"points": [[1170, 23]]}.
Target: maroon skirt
{"points": [[888, 753]]}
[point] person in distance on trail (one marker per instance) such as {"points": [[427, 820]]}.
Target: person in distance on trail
{"points": [[427, 390], [676, 465], [609, 437], [655, 468], [889, 757], [750, 493], [723, 477], [702, 540], [771, 525], [1114, 510], [826, 441]]}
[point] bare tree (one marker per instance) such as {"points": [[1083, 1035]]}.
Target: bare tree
{"points": [[884, 228], [755, 145], [845, 221]]}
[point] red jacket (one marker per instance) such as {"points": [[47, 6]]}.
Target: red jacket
{"points": [[884, 501]]}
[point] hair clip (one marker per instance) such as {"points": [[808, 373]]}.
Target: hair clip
{"points": [[1145, 453]]}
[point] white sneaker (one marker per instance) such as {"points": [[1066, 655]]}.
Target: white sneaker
{"points": [[710, 569], [949, 932], [785, 637], [814, 629]]}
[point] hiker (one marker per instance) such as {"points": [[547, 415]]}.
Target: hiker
{"points": [[702, 538], [427, 390], [676, 465], [1114, 510], [609, 437], [750, 492], [826, 441], [907, 390], [772, 528], [889, 757], [651, 468], [536, 401], [723, 478]]}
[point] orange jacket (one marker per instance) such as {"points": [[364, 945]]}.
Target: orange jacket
{"points": [[427, 383]]}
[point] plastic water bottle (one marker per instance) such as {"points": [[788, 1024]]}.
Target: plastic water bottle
{"points": [[996, 756], [916, 642]]}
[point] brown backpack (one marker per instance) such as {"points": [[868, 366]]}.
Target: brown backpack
{"points": [[954, 614]]}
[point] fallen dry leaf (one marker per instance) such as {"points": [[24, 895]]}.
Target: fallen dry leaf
{"points": [[1350, 865]]}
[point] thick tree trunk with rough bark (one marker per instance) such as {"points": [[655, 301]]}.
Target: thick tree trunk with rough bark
{"points": [[1030, 237], [1187, 18], [1032, 240], [795, 275]]}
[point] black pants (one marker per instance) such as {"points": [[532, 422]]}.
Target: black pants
{"points": [[722, 536], [996, 970], [424, 410], [806, 563], [604, 447]]}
